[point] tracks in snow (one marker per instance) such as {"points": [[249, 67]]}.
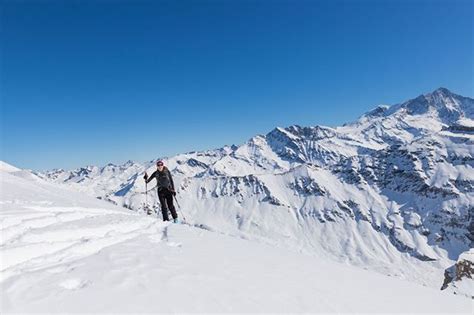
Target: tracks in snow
{"points": [[38, 237]]}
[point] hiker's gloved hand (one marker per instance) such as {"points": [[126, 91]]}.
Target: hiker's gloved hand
{"points": [[174, 193], [145, 177]]}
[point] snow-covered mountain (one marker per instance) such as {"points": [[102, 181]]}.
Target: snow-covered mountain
{"points": [[65, 252], [392, 191]]}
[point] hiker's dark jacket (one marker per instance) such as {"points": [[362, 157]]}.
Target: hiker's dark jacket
{"points": [[163, 179]]}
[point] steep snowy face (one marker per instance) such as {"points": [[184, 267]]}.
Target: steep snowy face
{"points": [[449, 106], [420, 116], [441, 104], [431, 181], [317, 145], [394, 189]]}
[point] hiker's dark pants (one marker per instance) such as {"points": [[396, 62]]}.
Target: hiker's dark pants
{"points": [[166, 201]]}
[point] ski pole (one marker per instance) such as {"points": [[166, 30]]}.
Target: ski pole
{"points": [[179, 208], [146, 196], [148, 190]]}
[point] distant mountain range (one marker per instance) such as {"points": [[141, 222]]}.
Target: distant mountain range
{"points": [[392, 191]]}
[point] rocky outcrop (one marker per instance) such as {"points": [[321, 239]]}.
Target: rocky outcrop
{"points": [[459, 277]]}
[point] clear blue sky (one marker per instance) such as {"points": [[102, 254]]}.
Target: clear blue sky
{"points": [[91, 82]]}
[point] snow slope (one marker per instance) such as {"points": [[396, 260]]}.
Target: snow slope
{"points": [[62, 251]]}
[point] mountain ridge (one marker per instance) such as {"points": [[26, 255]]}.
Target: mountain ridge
{"points": [[399, 176]]}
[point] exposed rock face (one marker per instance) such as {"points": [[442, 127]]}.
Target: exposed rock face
{"points": [[459, 277]]}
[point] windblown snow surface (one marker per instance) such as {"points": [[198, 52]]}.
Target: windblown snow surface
{"points": [[62, 251]]}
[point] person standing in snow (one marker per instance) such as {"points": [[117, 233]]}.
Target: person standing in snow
{"points": [[166, 191]]}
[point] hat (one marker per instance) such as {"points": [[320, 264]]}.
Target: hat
{"points": [[160, 163]]}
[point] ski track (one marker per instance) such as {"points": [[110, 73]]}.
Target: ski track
{"points": [[50, 237]]}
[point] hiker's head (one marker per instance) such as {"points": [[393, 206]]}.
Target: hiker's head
{"points": [[160, 165]]}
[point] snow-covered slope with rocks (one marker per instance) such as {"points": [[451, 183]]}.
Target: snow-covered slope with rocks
{"points": [[392, 191], [459, 277], [63, 252]]}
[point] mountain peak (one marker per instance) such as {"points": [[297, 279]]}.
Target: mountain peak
{"points": [[442, 90], [377, 111], [281, 133], [447, 106]]}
